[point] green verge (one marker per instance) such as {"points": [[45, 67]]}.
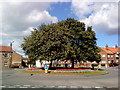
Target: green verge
{"points": [[33, 71], [51, 72]]}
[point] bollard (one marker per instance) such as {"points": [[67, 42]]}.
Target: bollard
{"points": [[99, 66], [46, 67], [106, 65], [46, 70]]}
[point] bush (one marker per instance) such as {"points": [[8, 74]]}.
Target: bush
{"points": [[102, 64], [95, 64], [81, 63]]}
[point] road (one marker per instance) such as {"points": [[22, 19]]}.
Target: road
{"points": [[13, 77]]}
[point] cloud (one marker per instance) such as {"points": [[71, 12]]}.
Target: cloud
{"points": [[27, 31], [44, 16], [1, 42], [82, 8], [102, 17], [18, 19]]}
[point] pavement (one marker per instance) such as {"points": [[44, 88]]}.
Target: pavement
{"points": [[14, 79]]}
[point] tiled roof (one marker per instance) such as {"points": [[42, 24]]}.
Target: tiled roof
{"points": [[106, 50], [114, 50], [5, 49], [110, 50]]}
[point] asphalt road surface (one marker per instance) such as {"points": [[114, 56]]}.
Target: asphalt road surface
{"points": [[13, 77]]}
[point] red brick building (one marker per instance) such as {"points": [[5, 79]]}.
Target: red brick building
{"points": [[9, 58], [110, 55]]}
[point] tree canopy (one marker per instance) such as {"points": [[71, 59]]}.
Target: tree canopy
{"points": [[67, 39]]}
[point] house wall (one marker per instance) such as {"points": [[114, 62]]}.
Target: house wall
{"points": [[110, 59], [110, 56], [5, 61], [0, 60], [38, 64], [41, 63], [16, 59], [116, 58], [103, 58]]}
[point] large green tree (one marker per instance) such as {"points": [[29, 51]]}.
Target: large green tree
{"points": [[67, 39]]}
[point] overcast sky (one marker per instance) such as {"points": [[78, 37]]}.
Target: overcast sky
{"points": [[18, 19]]}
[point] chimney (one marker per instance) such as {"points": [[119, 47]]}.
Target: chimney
{"points": [[116, 46], [11, 44], [106, 46]]}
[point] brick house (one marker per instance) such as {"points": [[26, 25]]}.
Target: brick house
{"points": [[109, 55], [9, 58]]}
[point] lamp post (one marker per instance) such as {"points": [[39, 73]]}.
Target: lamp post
{"points": [[10, 62]]}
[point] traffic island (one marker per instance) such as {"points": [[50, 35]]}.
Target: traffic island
{"points": [[66, 72], [73, 70]]}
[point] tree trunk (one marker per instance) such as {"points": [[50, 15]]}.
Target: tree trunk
{"points": [[50, 64], [57, 63], [66, 64], [93, 67], [72, 63]]}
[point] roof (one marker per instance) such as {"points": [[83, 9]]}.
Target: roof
{"points": [[6, 49], [110, 50], [106, 50], [114, 50]]}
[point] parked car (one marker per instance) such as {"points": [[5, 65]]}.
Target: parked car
{"points": [[113, 64]]}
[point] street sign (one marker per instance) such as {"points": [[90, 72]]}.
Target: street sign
{"points": [[46, 66]]}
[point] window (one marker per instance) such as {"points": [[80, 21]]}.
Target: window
{"points": [[108, 61], [103, 55], [103, 61], [5, 54], [117, 55], [5, 64], [117, 61], [109, 55]]}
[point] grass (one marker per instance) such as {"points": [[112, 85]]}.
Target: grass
{"points": [[33, 71], [51, 72], [81, 73]]}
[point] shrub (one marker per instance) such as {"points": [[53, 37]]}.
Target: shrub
{"points": [[102, 64], [95, 64], [81, 63]]}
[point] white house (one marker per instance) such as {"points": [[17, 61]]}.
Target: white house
{"points": [[41, 63]]}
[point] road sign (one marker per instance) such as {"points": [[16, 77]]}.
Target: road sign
{"points": [[46, 66]]}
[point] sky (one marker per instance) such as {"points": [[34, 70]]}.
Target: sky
{"points": [[19, 18]]}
